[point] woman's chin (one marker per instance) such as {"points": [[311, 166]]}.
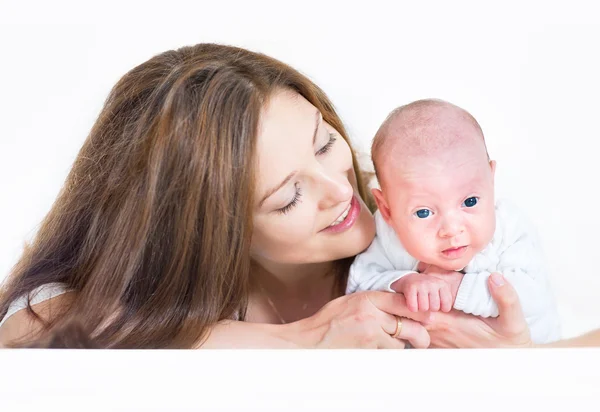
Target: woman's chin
{"points": [[353, 241]]}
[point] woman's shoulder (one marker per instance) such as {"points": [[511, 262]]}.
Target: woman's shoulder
{"points": [[46, 301]]}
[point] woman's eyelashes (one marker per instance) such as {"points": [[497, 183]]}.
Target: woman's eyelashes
{"points": [[327, 146], [293, 203], [298, 193]]}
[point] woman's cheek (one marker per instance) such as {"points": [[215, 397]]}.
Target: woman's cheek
{"points": [[345, 156], [306, 223], [296, 227]]}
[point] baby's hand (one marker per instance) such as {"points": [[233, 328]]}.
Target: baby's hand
{"points": [[451, 277], [429, 292]]}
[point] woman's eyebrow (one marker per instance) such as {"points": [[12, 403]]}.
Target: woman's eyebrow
{"points": [[317, 123], [318, 119], [279, 186]]}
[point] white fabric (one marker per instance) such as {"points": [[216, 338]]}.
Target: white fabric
{"points": [[515, 251], [38, 295]]}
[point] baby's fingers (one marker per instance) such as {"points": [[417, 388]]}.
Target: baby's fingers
{"points": [[434, 301], [446, 300], [423, 299], [411, 300]]}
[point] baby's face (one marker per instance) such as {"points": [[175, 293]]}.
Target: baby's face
{"points": [[442, 207]]}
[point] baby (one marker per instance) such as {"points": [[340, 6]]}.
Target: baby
{"points": [[440, 233]]}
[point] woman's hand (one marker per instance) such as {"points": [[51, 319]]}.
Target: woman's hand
{"points": [[459, 330], [362, 320]]}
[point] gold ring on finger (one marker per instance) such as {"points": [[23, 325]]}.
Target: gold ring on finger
{"points": [[398, 331]]}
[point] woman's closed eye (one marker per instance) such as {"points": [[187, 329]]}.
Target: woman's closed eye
{"points": [[284, 210], [294, 202], [327, 146]]}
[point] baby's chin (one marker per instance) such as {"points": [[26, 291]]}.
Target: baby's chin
{"points": [[455, 267], [455, 264]]}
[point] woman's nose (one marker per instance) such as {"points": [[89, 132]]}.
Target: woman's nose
{"points": [[334, 189]]}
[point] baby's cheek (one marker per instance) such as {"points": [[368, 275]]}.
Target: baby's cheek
{"points": [[483, 232], [418, 243], [404, 231], [490, 225]]}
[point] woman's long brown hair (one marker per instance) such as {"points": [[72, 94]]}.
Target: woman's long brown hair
{"points": [[153, 225]]}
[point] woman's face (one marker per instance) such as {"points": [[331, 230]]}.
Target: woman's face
{"points": [[307, 207]]}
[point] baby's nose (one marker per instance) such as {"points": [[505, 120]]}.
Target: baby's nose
{"points": [[451, 228]]}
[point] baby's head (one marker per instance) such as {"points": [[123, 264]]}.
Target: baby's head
{"points": [[437, 182]]}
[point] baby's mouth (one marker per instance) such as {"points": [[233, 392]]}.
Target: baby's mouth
{"points": [[455, 252]]}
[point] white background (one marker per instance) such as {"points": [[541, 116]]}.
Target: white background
{"points": [[257, 380], [528, 74]]}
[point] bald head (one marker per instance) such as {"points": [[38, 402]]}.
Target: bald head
{"points": [[424, 128]]}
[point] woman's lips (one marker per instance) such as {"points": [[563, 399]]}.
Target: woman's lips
{"points": [[349, 220]]}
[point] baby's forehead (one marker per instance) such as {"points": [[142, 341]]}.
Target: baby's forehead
{"points": [[444, 160], [442, 144], [453, 173], [431, 128], [426, 128]]}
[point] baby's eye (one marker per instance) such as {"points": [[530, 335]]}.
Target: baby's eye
{"points": [[470, 202], [423, 213]]}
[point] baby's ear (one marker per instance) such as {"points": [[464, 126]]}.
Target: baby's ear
{"points": [[382, 205], [493, 167]]}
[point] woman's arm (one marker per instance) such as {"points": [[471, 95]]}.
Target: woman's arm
{"points": [[22, 328], [590, 339], [246, 335], [360, 320]]}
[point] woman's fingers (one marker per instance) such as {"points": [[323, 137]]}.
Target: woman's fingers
{"points": [[415, 333], [388, 342], [394, 304], [511, 317], [410, 331], [388, 308], [459, 330], [367, 320]]}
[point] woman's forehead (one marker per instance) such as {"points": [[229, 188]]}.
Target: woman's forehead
{"points": [[284, 110], [285, 136]]}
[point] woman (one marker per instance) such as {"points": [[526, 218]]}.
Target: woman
{"points": [[215, 203]]}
